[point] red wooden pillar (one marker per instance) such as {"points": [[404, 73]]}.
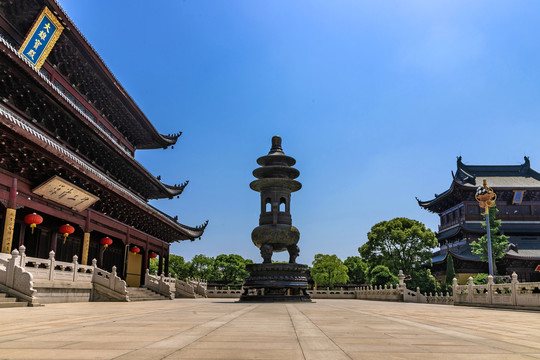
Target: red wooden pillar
{"points": [[21, 235], [160, 267], [145, 262], [166, 256], [54, 240]]}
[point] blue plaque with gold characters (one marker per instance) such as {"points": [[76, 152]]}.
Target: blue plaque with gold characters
{"points": [[41, 38]]}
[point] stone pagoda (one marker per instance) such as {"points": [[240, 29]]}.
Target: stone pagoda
{"points": [[276, 281]]}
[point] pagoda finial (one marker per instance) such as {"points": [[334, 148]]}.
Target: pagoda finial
{"points": [[276, 145], [527, 161]]}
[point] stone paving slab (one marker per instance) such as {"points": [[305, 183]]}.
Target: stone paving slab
{"points": [[224, 329]]}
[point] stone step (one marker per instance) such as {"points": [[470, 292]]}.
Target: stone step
{"points": [[144, 294], [12, 304], [7, 300]]}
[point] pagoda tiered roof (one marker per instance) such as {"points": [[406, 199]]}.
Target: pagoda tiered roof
{"points": [[80, 64], [468, 177], [53, 158], [106, 152], [55, 136]]}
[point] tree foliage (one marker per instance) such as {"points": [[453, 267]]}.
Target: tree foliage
{"points": [[499, 243], [450, 270], [231, 268], [329, 270], [422, 278], [356, 269], [381, 275], [398, 244], [202, 267]]}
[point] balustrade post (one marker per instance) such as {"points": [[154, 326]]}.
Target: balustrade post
{"points": [[470, 285], [22, 253], [112, 278], [51, 265], [490, 284], [514, 288], [10, 269], [454, 290], [75, 267]]}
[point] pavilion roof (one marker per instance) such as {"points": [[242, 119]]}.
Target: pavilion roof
{"points": [[469, 177]]}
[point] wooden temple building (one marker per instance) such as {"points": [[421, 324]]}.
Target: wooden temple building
{"points": [[68, 136], [518, 200]]}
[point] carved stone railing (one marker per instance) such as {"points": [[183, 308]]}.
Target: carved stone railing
{"points": [[183, 289], [514, 294], [384, 293], [15, 280], [160, 284], [226, 292], [50, 273], [110, 281], [333, 294], [53, 270], [199, 286]]}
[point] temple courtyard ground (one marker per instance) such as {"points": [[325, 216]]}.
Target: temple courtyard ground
{"points": [[224, 329]]}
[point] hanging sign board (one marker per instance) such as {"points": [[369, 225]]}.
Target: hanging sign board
{"points": [[41, 38], [65, 193]]}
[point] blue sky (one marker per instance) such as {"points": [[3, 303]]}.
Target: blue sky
{"points": [[374, 100]]}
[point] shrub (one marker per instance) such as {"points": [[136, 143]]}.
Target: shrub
{"points": [[381, 275], [480, 279]]}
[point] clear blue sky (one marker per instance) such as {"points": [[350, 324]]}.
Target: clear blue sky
{"points": [[374, 99]]}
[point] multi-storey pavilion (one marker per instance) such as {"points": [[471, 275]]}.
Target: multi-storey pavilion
{"points": [[68, 135], [518, 200]]}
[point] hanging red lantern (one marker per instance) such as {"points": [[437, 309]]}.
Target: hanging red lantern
{"points": [[106, 241], [33, 220], [153, 255], [135, 250], [66, 230]]}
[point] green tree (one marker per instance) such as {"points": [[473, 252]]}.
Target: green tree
{"points": [[202, 267], [178, 266], [450, 271], [232, 268], [398, 244], [423, 279], [356, 269], [328, 270], [153, 266], [499, 243], [381, 275]]}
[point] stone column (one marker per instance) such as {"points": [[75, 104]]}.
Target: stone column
{"points": [[9, 223]]}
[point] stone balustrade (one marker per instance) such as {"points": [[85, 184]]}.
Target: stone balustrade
{"points": [[51, 269], [48, 280], [225, 292], [514, 294], [160, 284], [333, 294], [15, 280]]}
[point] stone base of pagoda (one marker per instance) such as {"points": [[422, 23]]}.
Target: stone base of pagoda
{"points": [[276, 283]]}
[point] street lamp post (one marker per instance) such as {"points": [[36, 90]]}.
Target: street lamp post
{"points": [[486, 198]]}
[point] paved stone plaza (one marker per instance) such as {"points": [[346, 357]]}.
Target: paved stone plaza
{"points": [[224, 329]]}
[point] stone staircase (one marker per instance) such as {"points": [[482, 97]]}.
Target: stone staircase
{"points": [[144, 294], [9, 302]]}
